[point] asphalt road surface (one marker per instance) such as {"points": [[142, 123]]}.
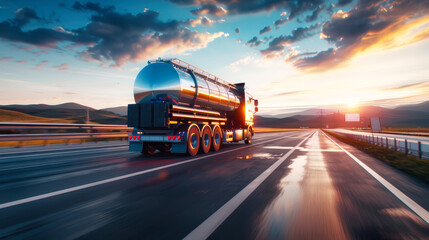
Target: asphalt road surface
{"points": [[286, 185]]}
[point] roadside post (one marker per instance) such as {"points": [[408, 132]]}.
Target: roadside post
{"points": [[419, 149]]}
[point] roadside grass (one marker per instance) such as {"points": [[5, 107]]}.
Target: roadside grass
{"points": [[418, 168]]}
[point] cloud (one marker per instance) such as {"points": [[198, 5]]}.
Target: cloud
{"points": [[142, 47], [371, 24], [11, 30], [90, 6], [202, 20], [5, 58], [69, 93], [110, 36], [329, 57], [418, 85], [342, 3], [40, 65], [62, 67], [281, 94], [254, 42], [38, 53], [295, 54], [281, 21], [24, 16], [41, 37], [313, 17], [237, 30], [265, 30], [276, 46], [210, 9], [236, 7], [244, 61], [21, 61]]}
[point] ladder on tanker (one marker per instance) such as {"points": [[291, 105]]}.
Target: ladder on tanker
{"points": [[184, 66]]}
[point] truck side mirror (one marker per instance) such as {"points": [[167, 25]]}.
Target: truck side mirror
{"points": [[256, 102]]}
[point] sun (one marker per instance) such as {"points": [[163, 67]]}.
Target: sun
{"points": [[352, 105]]}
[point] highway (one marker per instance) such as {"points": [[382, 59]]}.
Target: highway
{"points": [[294, 185]]}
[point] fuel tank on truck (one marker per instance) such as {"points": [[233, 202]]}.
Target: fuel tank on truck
{"points": [[182, 86]]}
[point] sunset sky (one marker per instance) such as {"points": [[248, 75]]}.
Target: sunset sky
{"points": [[293, 55]]}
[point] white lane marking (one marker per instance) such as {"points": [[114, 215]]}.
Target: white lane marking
{"points": [[73, 189], [74, 152], [416, 208], [205, 229], [304, 149]]}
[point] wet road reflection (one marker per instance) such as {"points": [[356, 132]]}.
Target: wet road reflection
{"points": [[306, 207]]}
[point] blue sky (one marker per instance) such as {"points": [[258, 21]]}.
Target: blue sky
{"points": [[318, 54]]}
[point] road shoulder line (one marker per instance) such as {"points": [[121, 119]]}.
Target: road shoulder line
{"points": [[415, 207]]}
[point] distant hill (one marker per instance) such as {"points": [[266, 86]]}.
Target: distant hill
{"points": [[409, 116], [13, 116], [422, 107], [308, 112], [121, 111], [389, 118], [69, 105], [70, 112]]}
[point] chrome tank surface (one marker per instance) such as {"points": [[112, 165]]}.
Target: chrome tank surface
{"points": [[163, 81]]}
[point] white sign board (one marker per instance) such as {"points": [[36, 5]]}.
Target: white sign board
{"points": [[352, 117], [375, 124]]}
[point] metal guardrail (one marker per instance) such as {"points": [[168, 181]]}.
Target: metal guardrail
{"points": [[11, 131], [416, 148]]}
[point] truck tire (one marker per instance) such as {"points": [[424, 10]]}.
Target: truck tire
{"points": [[217, 139], [206, 140], [148, 149], [193, 142], [249, 137], [165, 147]]}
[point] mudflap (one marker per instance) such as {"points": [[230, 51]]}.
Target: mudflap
{"points": [[136, 147], [178, 148]]}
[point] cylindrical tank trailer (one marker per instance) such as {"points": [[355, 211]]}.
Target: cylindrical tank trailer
{"points": [[161, 79], [183, 109]]}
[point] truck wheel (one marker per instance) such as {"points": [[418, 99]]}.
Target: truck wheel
{"points": [[217, 139], [148, 149], [206, 140], [249, 138], [165, 147], [193, 141]]}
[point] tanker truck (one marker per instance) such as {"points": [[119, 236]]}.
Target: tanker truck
{"points": [[182, 109]]}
